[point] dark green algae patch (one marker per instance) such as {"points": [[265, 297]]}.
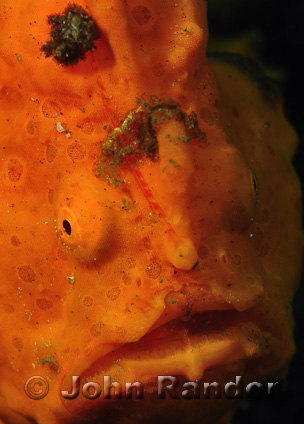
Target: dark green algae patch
{"points": [[72, 35]]}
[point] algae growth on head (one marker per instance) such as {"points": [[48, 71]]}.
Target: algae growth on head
{"points": [[150, 215]]}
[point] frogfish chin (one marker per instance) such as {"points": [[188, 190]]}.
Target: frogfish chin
{"points": [[150, 216]]}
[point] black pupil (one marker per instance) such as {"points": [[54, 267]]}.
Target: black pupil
{"points": [[67, 227]]}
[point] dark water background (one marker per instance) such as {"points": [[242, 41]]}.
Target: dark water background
{"points": [[279, 29]]}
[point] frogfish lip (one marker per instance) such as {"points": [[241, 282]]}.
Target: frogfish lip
{"points": [[177, 345]]}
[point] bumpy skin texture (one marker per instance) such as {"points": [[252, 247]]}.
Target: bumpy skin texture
{"points": [[139, 238]]}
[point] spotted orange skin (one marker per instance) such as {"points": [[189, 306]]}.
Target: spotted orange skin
{"points": [[210, 223]]}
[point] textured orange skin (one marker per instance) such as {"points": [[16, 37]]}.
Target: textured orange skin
{"points": [[121, 273]]}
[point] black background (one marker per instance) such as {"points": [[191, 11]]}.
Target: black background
{"points": [[280, 44]]}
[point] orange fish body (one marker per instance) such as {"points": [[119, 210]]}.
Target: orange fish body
{"points": [[150, 215]]}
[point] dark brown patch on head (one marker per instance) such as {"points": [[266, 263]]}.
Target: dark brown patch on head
{"points": [[14, 170], [26, 273], [141, 15]]}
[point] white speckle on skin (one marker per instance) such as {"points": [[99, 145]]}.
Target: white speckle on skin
{"points": [[59, 127], [71, 278]]}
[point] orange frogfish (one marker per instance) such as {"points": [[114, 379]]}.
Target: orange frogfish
{"points": [[150, 217]]}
